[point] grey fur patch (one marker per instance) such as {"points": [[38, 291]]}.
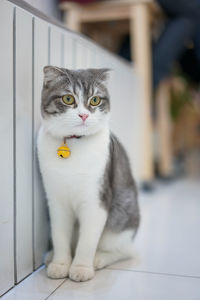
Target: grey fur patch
{"points": [[59, 81], [118, 192]]}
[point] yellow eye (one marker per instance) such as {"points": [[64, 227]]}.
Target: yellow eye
{"points": [[68, 99], [95, 101]]}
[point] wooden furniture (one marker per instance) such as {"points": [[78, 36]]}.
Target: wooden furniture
{"points": [[138, 12], [163, 125]]}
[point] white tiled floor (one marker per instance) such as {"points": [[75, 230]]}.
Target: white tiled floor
{"points": [[167, 261]]}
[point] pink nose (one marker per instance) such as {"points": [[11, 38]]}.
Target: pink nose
{"points": [[83, 116]]}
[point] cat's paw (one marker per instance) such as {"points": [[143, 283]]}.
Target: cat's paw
{"points": [[100, 260], [81, 273], [57, 271]]}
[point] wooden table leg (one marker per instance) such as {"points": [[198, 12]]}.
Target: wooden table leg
{"points": [[71, 18], [163, 125], [141, 53]]}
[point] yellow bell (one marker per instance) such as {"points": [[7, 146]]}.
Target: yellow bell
{"points": [[64, 151]]}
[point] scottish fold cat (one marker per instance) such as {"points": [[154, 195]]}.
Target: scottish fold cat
{"points": [[91, 194]]}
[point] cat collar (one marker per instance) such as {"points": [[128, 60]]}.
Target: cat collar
{"points": [[63, 151]]}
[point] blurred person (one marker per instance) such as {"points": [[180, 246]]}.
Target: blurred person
{"points": [[174, 43], [181, 29]]}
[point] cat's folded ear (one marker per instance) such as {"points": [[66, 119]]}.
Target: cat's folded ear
{"points": [[52, 73], [103, 74]]}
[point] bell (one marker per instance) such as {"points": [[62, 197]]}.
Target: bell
{"points": [[64, 151]]}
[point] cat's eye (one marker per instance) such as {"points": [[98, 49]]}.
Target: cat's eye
{"points": [[68, 99], [96, 100]]}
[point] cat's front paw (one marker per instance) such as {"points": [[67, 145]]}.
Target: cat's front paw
{"points": [[57, 271], [81, 273]]}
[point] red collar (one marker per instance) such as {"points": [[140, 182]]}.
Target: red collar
{"points": [[72, 137]]}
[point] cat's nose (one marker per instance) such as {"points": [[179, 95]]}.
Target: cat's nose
{"points": [[84, 116]]}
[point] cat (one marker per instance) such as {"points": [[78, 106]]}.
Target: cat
{"points": [[92, 191]]}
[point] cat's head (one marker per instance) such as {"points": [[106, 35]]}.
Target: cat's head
{"points": [[75, 102]]}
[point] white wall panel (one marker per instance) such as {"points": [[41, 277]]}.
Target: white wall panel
{"points": [[80, 55], [83, 55], [135, 115], [6, 149], [123, 103], [24, 254], [68, 51], [98, 61], [39, 202], [102, 60], [56, 46], [91, 57]]}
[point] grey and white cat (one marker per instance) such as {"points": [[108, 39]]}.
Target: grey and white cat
{"points": [[92, 191]]}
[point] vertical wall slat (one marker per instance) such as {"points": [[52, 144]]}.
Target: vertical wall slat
{"points": [[24, 254], [90, 57], [100, 60], [69, 46], [80, 55], [6, 149], [56, 44], [40, 230]]}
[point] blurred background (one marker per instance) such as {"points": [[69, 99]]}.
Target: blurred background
{"points": [[174, 50]]}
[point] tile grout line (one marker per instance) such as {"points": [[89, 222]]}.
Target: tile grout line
{"points": [[56, 288], [154, 273]]}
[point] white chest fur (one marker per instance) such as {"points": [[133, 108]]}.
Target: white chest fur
{"points": [[76, 178]]}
